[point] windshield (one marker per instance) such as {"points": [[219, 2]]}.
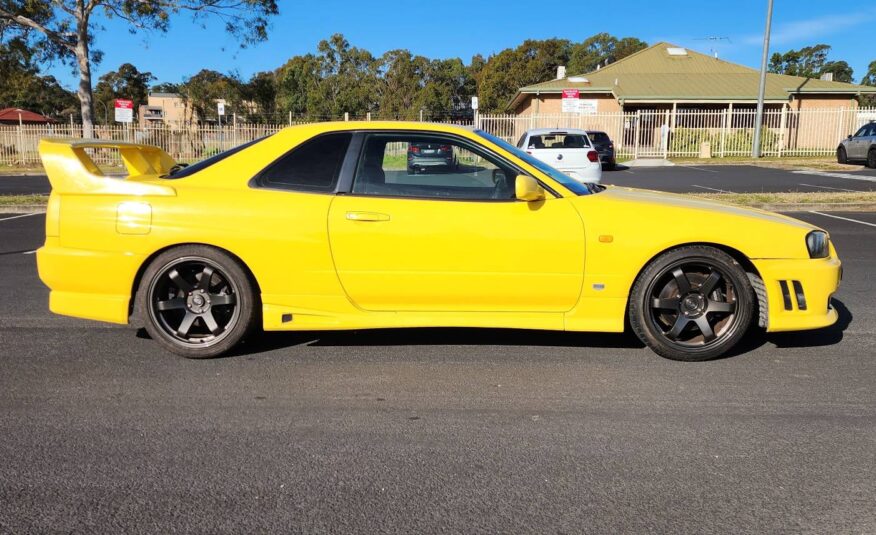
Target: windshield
{"points": [[184, 171], [570, 183]]}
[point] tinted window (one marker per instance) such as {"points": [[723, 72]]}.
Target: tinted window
{"points": [[203, 164], [598, 137], [312, 166], [430, 166], [863, 131], [559, 140]]}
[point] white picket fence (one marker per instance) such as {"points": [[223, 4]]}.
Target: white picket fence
{"points": [[692, 133], [640, 134]]}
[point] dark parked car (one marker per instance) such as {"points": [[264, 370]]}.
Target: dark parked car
{"points": [[604, 146], [860, 147], [423, 156]]}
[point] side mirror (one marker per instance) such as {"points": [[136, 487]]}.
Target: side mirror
{"points": [[850, 136], [528, 189]]}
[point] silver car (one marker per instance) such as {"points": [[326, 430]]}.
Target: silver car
{"points": [[860, 147]]}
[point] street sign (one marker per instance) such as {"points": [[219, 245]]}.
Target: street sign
{"points": [[570, 101], [124, 110], [220, 107], [474, 103]]}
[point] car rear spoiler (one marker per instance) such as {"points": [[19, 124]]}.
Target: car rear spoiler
{"points": [[71, 170]]}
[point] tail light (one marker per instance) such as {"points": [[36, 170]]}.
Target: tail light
{"points": [[444, 148], [414, 149], [593, 156]]}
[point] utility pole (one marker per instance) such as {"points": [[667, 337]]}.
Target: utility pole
{"points": [[758, 119]]}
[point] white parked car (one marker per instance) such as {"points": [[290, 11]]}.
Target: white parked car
{"points": [[566, 149]]}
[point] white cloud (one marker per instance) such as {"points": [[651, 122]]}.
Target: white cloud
{"points": [[793, 32]]}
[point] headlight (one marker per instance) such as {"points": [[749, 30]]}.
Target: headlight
{"points": [[818, 244]]}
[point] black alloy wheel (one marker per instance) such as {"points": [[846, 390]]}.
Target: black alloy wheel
{"points": [[197, 305], [841, 156], [871, 159], [693, 303]]}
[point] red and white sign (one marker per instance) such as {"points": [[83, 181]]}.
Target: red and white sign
{"points": [[124, 110], [570, 100]]}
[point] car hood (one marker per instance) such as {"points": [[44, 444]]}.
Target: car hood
{"points": [[669, 219]]}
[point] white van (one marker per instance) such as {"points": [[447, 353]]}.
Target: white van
{"points": [[567, 149]]}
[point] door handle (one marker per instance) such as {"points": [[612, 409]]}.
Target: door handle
{"points": [[367, 216]]}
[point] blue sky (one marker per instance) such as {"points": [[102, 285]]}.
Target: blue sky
{"points": [[457, 28]]}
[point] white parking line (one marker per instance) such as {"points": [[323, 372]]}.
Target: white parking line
{"points": [[844, 218], [828, 187], [712, 189], [699, 168], [836, 175], [17, 216]]}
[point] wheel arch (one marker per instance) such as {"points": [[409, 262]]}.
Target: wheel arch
{"points": [[138, 278], [736, 254]]}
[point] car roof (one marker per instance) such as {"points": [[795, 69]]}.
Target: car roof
{"points": [[339, 126], [543, 131]]}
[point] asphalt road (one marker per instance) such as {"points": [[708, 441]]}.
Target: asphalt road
{"points": [[740, 179], [453, 430], [676, 179]]}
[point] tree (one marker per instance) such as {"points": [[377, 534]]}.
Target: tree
{"points": [[841, 71], [532, 62], [402, 81], [296, 80], [127, 83], [807, 62], [23, 87], [165, 87], [600, 50], [869, 79], [347, 81], [261, 91], [66, 27], [202, 90]]}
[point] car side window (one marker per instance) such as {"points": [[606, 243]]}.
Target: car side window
{"points": [[312, 166], [430, 166], [863, 131]]}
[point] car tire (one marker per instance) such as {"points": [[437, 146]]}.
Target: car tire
{"points": [[841, 156], [192, 316], [692, 304], [871, 158]]}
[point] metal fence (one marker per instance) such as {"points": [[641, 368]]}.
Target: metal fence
{"points": [[640, 134], [694, 133]]}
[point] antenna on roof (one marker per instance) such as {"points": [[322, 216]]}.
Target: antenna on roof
{"points": [[714, 38]]}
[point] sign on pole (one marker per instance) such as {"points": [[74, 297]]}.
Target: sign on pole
{"points": [[124, 110], [474, 103], [220, 107]]}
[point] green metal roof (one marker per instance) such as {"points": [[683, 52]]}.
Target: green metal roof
{"points": [[655, 74]]}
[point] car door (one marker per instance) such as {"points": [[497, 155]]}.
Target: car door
{"points": [[451, 240], [859, 142], [562, 150]]}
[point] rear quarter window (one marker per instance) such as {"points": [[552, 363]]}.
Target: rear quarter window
{"points": [[312, 166]]}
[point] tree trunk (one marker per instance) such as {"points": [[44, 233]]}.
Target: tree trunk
{"points": [[84, 62]]}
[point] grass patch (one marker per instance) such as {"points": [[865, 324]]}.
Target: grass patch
{"points": [[796, 197], [23, 200]]}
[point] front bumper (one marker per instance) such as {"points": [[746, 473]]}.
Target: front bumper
{"points": [[799, 292]]}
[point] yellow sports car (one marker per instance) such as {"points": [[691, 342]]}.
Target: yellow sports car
{"points": [[323, 226]]}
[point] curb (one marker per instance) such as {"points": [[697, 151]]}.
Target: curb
{"points": [[835, 207], [23, 209]]}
